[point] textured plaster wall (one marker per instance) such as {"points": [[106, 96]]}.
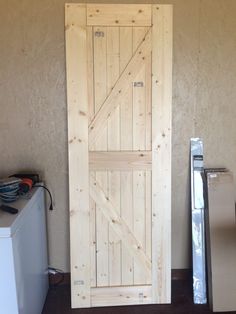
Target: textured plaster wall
{"points": [[33, 120]]}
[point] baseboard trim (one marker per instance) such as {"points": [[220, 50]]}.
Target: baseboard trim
{"points": [[176, 274]]}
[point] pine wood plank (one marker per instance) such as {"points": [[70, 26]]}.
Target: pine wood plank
{"points": [[76, 60], [119, 225], [100, 93], [139, 143], [102, 235], [127, 214], [121, 295], [139, 221], [126, 108], [126, 138], [161, 152], [148, 220], [148, 144], [90, 73], [126, 46], [117, 94], [123, 160], [91, 110], [113, 71], [119, 14], [148, 101]]}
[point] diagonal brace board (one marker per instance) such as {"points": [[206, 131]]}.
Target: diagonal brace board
{"points": [[118, 224], [118, 91]]}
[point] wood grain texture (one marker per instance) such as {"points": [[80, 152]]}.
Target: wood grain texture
{"points": [[118, 91], [126, 138], [114, 296], [139, 143], [161, 152], [113, 134], [118, 224], [130, 123], [100, 93], [119, 14], [91, 109], [77, 99], [123, 160]]}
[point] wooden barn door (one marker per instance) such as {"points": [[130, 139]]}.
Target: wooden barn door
{"points": [[119, 130]]}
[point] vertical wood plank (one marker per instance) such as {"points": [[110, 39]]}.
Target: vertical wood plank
{"points": [[91, 147], [148, 220], [126, 46], [102, 235], [127, 215], [161, 152], [100, 93], [148, 144], [113, 145], [77, 99], [139, 143], [126, 134], [148, 101], [90, 73], [126, 108], [139, 220]]}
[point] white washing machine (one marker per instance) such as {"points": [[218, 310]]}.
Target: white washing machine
{"points": [[23, 257]]}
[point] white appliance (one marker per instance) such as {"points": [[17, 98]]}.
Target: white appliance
{"points": [[23, 257]]}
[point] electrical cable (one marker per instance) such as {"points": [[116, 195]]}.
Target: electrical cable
{"points": [[44, 187]]}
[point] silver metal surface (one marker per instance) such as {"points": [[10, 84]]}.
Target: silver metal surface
{"points": [[198, 225]]}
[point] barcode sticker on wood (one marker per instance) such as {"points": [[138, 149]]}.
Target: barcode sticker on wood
{"points": [[99, 34], [138, 84], [78, 282]]}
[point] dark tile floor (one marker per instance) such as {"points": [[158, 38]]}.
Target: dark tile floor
{"points": [[58, 302]]}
